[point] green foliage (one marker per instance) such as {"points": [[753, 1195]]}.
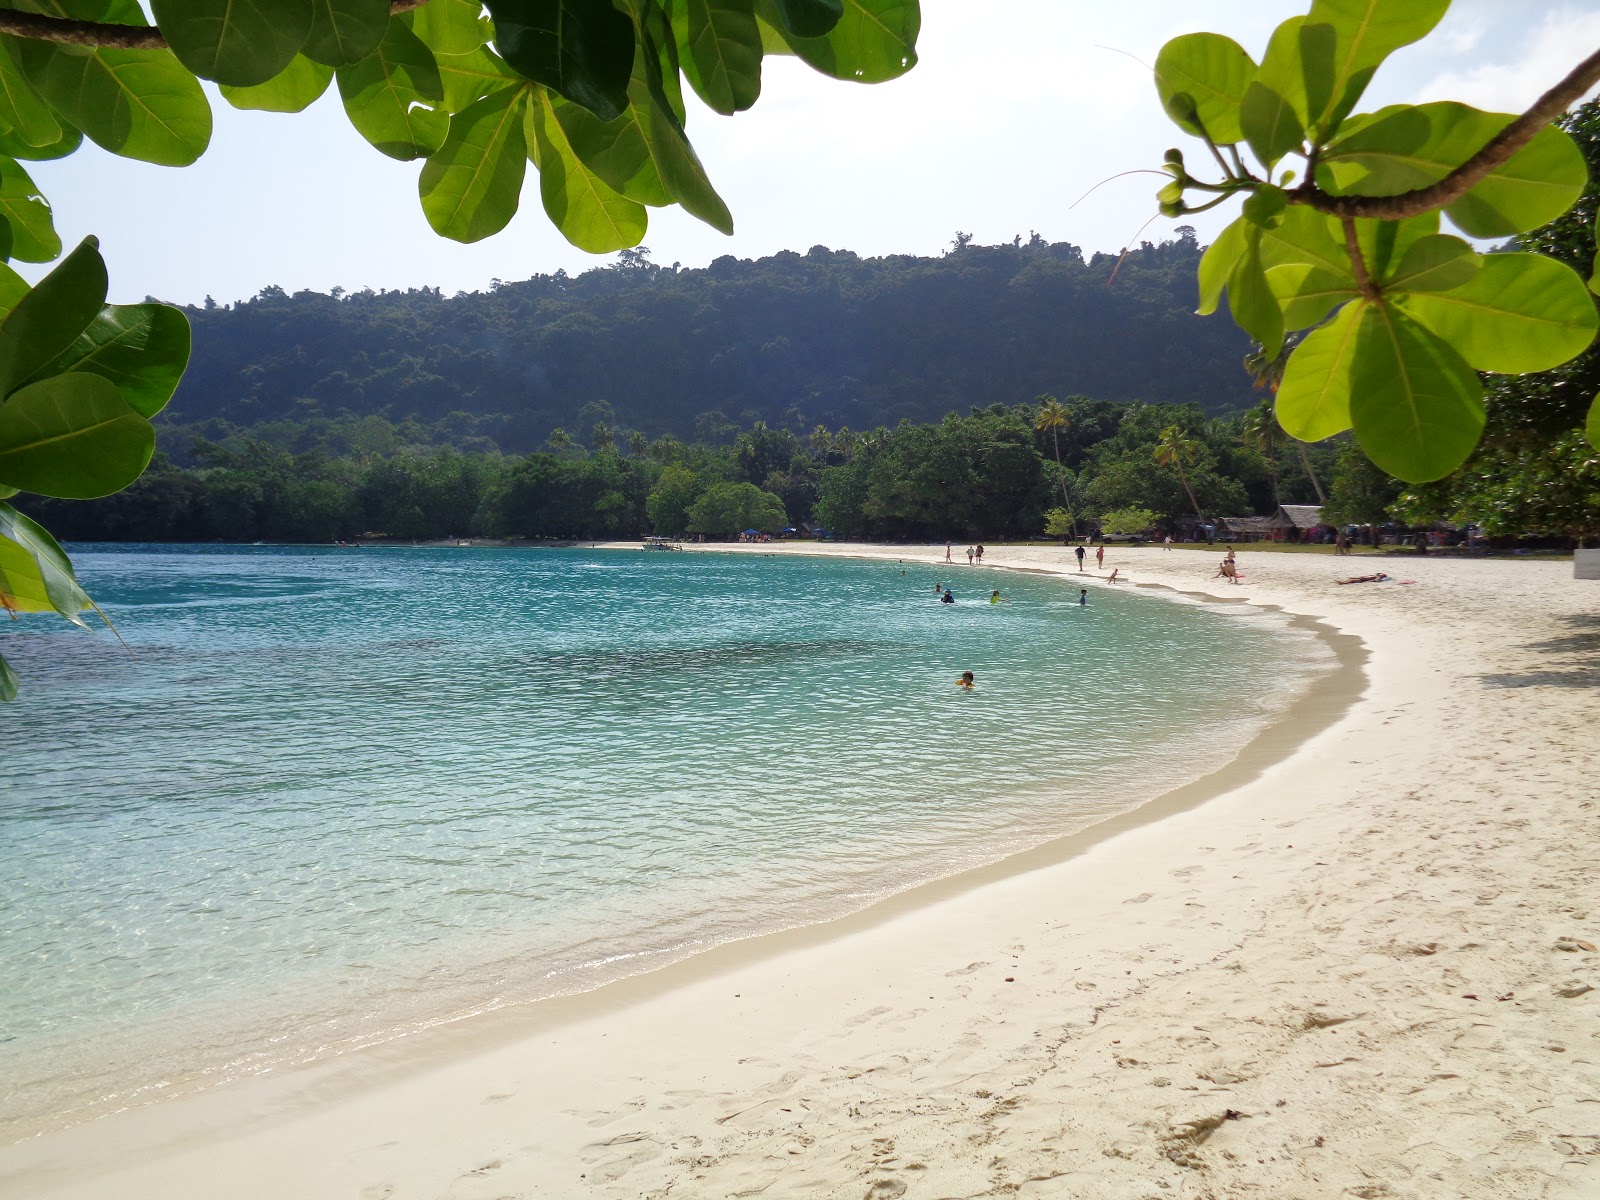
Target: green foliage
{"points": [[1128, 521], [1058, 522], [1414, 314], [725, 509]]}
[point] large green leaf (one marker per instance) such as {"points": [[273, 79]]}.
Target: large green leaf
{"points": [[1404, 147], [582, 49], [237, 42], [1269, 123], [142, 348], [720, 49], [50, 317], [621, 152], [386, 96], [873, 41], [1415, 405], [140, 104], [291, 90], [451, 26], [72, 436], [343, 32], [1303, 235], [807, 18], [472, 76], [21, 586], [1591, 427], [471, 185], [1255, 309], [13, 288], [33, 234], [51, 565], [23, 112], [1314, 395], [1306, 293], [1518, 313], [14, 147], [1384, 244], [1433, 263], [1213, 72], [1294, 71], [588, 213], [1217, 265], [1365, 33]]}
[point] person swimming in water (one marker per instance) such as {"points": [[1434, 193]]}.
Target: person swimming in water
{"points": [[995, 597], [1083, 595], [947, 598], [965, 682]]}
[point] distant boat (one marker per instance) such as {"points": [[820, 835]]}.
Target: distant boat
{"points": [[661, 543]]}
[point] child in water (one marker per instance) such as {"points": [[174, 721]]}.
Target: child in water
{"points": [[965, 682], [1083, 595], [947, 598], [995, 597]]}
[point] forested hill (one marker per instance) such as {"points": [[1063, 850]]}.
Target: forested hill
{"points": [[795, 340]]}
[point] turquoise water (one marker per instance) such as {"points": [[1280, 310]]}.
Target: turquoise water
{"points": [[329, 796]]}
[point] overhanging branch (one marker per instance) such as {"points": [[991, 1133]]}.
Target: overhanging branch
{"points": [[68, 32], [1460, 181]]}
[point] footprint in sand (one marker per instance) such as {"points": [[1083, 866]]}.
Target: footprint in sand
{"points": [[377, 1191], [1140, 898], [885, 1189], [966, 970], [863, 1018]]}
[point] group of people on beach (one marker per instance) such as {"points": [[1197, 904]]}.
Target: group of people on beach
{"points": [[974, 554]]}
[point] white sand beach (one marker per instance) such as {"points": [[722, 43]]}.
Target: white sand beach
{"points": [[1358, 960]]}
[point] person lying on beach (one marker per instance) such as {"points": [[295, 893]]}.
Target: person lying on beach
{"points": [[965, 682], [1378, 578]]}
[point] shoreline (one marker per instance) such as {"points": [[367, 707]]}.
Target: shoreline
{"points": [[673, 1022]]}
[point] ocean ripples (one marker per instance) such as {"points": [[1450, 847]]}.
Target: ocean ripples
{"points": [[321, 807]]}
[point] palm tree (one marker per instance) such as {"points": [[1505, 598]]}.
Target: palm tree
{"points": [[1268, 373], [601, 439], [1055, 416], [637, 444], [1173, 449], [821, 440], [559, 440], [1260, 432]]}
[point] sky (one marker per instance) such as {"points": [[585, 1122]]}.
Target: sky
{"points": [[1003, 128]]}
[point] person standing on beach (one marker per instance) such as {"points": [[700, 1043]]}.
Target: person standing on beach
{"points": [[947, 552], [969, 556], [1080, 553], [1100, 558], [980, 554], [1166, 542]]}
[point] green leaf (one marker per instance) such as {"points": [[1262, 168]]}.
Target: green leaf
{"points": [[1365, 33], [1314, 396], [8, 681], [14, 147], [589, 214], [720, 49], [1591, 427], [1384, 244], [23, 112], [1404, 147], [51, 565], [581, 49], [33, 234], [873, 41], [140, 104], [21, 586], [1535, 186], [808, 18], [1269, 123], [472, 76], [1306, 294], [387, 93], [1416, 406], [291, 90], [451, 26], [1255, 309], [1304, 235], [13, 288], [1518, 313], [1214, 72], [142, 348], [72, 436], [237, 42], [49, 318], [471, 185], [1264, 206], [1217, 265], [1433, 263], [343, 32], [1300, 82]]}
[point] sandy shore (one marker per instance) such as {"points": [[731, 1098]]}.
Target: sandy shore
{"points": [[1362, 966]]}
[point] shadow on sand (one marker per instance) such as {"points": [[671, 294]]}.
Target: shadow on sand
{"points": [[1577, 654]]}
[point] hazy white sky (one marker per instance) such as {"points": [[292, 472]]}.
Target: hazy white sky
{"points": [[1007, 120]]}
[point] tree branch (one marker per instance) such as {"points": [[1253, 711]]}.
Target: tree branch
{"points": [[1358, 264], [68, 32], [1460, 181]]}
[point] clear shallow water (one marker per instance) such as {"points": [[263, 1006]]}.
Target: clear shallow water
{"points": [[335, 795]]}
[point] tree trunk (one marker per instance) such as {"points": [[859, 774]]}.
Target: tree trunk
{"points": [[1061, 478], [1305, 461], [1184, 479]]}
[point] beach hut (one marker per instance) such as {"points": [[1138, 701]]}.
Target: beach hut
{"points": [[1296, 522], [1244, 529]]}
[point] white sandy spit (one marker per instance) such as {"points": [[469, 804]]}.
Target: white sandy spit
{"points": [[1361, 968]]}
